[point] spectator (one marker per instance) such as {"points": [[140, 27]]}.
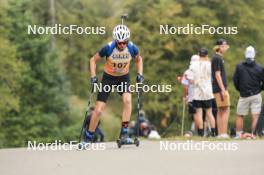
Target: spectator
{"points": [[144, 127], [141, 124], [248, 80], [188, 91], [220, 91], [202, 91]]}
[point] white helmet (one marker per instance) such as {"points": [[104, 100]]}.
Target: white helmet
{"points": [[250, 52], [121, 33]]}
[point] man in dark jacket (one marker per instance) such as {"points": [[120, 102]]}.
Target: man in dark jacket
{"points": [[248, 80]]}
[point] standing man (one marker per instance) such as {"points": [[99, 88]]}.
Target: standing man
{"points": [[248, 80], [118, 54], [220, 87]]}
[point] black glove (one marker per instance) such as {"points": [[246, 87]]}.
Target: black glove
{"points": [[140, 78], [93, 82]]}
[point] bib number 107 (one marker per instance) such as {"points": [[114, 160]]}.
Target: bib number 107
{"points": [[120, 65]]}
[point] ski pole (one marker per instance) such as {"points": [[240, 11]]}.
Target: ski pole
{"points": [[183, 115], [124, 16], [138, 109]]}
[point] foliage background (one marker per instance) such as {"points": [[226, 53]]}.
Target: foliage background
{"points": [[44, 90]]}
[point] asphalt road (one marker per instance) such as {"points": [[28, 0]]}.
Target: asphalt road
{"points": [[244, 158]]}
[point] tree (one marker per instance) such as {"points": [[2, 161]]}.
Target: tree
{"points": [[43, 92]]}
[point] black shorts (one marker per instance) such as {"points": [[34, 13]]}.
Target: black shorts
{"points": [[205, 104], [214, 108], [123, 83], [191, 108]]}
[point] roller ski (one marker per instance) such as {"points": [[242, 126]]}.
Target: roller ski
{"points": [[124, 139]]}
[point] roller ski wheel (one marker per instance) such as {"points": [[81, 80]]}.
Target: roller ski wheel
{"points": [[119, 144], [124, 141], [127, 141], [137, 142]]}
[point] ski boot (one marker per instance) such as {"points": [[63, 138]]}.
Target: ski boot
{"points": [[124, 139], [87, 140]]}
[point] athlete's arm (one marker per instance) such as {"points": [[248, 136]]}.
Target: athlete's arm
{"points": [[93, 61], [219, 80], [139, 64]]}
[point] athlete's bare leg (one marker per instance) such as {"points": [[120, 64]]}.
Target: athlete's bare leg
{"points": [[127, 107], [96, 115]]}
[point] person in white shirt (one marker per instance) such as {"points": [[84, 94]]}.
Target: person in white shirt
{"points": [[188, 88], [202, 91]]}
